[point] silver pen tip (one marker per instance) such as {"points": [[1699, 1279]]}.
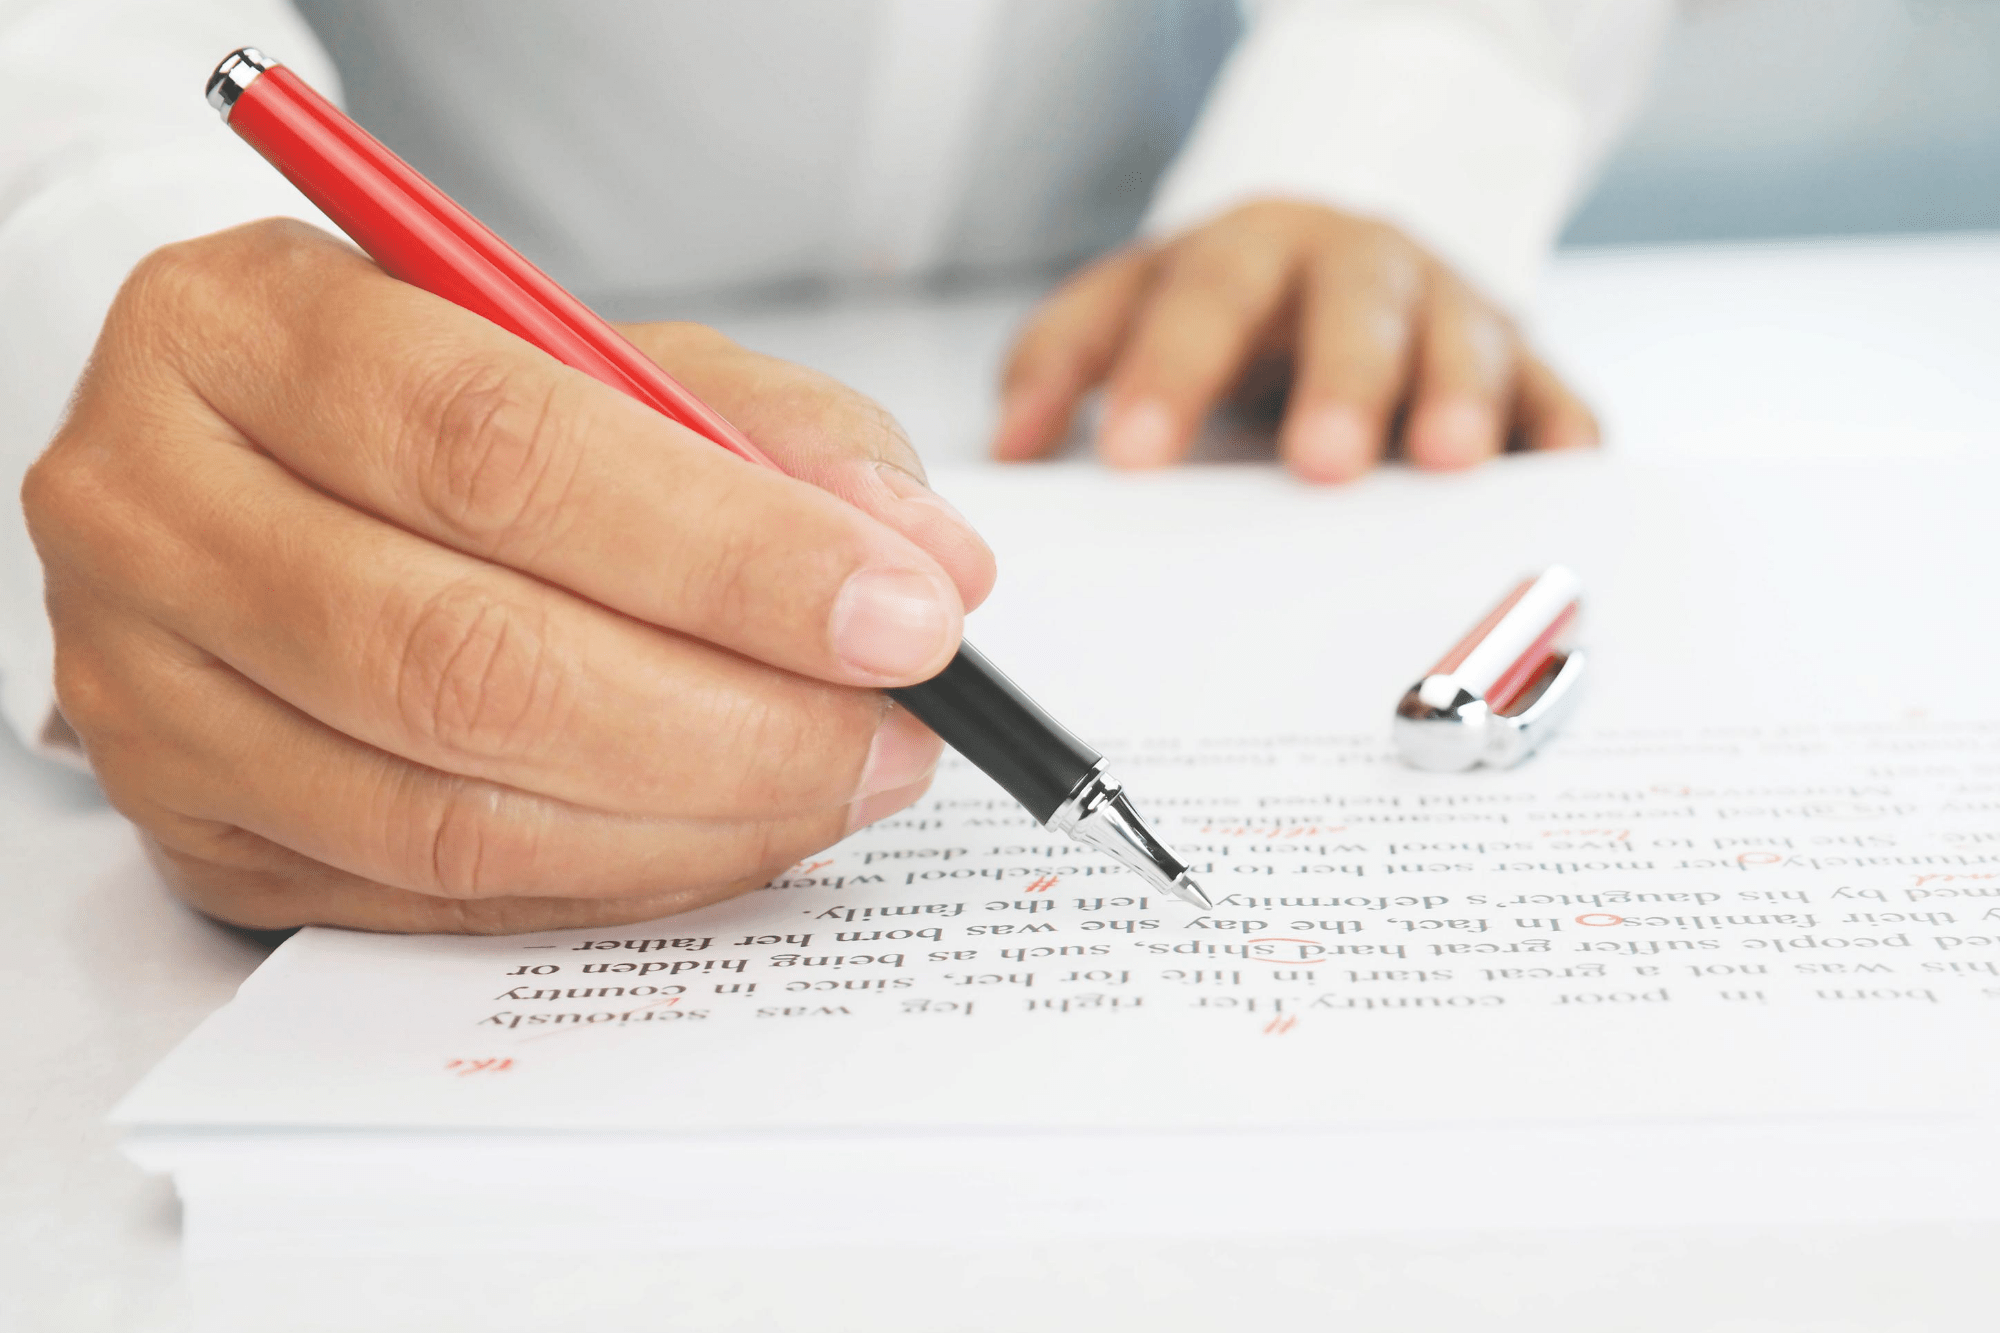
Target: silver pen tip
{"points": [[1098, 814], [1188, 891]]}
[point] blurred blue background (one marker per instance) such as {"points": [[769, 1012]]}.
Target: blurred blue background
{"points": [[1810, 117]]}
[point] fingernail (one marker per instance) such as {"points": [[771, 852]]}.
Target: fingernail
{"points": [[903, 751], [869, 809], [1137, 434], [1453, 433], [1331, 444], [892, 622]]}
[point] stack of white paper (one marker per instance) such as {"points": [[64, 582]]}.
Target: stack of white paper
{"points": [[1728, 952]]}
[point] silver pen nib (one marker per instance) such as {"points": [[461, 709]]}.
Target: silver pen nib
{"points": [[1185, 889], [1099, 814]]}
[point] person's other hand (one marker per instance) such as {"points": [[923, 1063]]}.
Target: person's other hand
{"points": [[1374, 328], [370, 614]]}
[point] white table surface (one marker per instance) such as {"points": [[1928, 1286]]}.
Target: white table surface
{"points": [[1883, 347]]}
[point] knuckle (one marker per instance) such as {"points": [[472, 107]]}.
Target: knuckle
{"points": [[214, 889], [183, 276], [478, 678], [240, 878], [1372, 259], [1214, 268], [690, 338], [141, 775], [1271, 218], [61, 494], [1233, 281], [493, 468], [152, 316], [1479, 344], [204, 305], [81, 689], [701, 356], [281, 243], [1377, 239], [95, 523], [95, 702], [163, 281]]}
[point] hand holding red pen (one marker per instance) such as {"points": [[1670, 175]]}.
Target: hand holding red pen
{"points": [[369, 613]]}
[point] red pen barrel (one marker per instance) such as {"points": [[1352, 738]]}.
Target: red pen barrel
{"points": [[416, 233]]}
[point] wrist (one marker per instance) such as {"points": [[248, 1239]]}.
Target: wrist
{"points": [[1413, 118]]}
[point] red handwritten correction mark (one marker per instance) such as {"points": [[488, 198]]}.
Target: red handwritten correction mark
{"points": [[1043, 885], [1278, 1027], [466, 1068]]}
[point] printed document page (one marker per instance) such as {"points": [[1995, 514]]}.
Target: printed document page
{"points": [[1798, 920], [1755, 880]]}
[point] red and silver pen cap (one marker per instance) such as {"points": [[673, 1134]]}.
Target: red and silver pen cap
{"points": [[1505, 688]]}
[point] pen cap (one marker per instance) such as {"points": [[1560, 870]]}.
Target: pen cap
{"points": [[1503, 688]]}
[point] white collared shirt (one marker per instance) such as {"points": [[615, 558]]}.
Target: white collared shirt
{"points": [[645, 149]]}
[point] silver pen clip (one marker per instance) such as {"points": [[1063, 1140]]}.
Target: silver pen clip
{"points": [[1504, 689]]}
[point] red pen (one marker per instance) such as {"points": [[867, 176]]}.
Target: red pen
{"points": [[416, 233]]}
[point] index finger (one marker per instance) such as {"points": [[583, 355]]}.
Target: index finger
{"points": [[1065, 349], [438, 421], [1217, 294], [820, 431]]}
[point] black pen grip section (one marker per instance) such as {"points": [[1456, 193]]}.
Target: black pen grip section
{"points": [[985, 717]]}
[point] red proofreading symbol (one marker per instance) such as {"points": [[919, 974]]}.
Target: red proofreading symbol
{"points": [[1278, 1027], [1600, 919], [489, 1066], [1042, 885]]}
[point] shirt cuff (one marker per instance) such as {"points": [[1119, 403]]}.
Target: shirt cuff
{"points": [[63, 255], [1419, 118]]}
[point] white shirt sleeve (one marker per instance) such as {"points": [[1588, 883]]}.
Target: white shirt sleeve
{"points": [[1471, 124], [106, 128]]}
